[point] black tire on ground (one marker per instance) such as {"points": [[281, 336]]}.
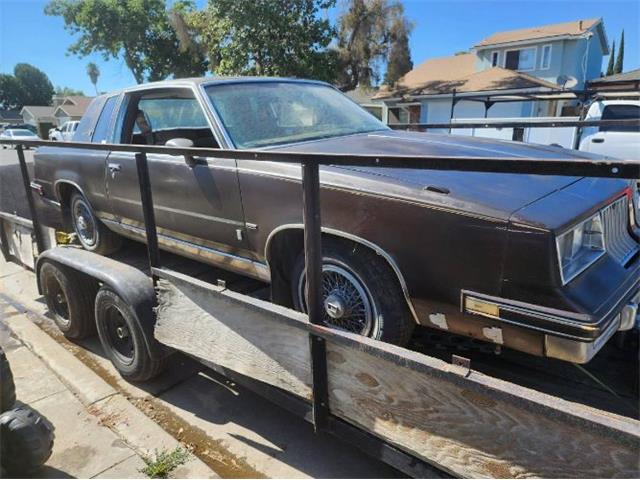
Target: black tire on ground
{"points": [[7, 387], [92, 234], [356, 279], [27, 440], [123, 339], [69, 296]]}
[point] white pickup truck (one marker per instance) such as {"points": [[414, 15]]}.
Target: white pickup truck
{"points": [[613, 141]]}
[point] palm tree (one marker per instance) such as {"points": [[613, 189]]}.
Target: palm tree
{"points": [[94, 72]]}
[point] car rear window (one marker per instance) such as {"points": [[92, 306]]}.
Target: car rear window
{"points": [[104, 121], [620, 112]]}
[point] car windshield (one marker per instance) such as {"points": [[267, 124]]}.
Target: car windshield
{"points": [[22, 133], [260, 114]]}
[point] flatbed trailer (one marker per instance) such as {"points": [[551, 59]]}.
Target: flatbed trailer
{"points": [[423, 415]]}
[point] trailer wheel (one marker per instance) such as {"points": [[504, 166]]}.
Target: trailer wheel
{"points": [[69, 296], [92, 233], [27, 440], [7, 386], [123, 339], [361, 293]]}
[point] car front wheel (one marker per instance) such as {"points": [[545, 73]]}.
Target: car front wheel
{"points": [[361, 293], [92, 234]]}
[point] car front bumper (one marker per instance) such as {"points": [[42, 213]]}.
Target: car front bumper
{"points": [[567, 335]]}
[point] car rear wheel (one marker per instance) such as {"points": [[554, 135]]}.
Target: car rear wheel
{"points": [[361, 293], [92, 234]]}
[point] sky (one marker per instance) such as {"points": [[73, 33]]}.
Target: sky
{"points": [[441, 28]]}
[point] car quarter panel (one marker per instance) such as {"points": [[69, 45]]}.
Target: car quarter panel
{"points": [[430, 245]]}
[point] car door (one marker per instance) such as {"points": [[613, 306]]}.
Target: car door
{"points": [[198, 208], [616, 141]]}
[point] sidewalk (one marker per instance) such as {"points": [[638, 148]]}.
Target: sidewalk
{"points": [[83, 446]]}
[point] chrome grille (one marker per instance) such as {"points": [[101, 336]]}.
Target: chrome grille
{"points": [[618, 241]]}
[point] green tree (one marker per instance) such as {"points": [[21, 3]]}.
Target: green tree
{"points": [[94, 72], [399, 61], [620, 59], [34, 83], [137, 30], [68, 92], [364, 39], [265, 37], [611, 59], [10, 92]]}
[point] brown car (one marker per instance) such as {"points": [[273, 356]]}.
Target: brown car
{"points": [[542, 264]]}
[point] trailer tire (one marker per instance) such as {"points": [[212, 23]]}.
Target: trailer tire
{"points": [[359, 275], [7, 386], [123, 339], [92, 234], [69, 296], [27, 440]]}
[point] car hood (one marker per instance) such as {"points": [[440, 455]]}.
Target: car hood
{"points": [[492, 194]]}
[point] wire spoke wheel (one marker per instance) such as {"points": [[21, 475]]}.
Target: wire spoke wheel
{"points": [[347, 303], [84, 223]]}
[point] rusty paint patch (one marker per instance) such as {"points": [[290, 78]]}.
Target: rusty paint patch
{"points": [[478, 399], [367, 380]]}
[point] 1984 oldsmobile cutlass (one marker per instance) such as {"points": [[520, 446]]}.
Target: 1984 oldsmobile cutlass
{"points": [[542, 264]]}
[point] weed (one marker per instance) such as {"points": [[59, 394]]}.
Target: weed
{"points": [[163, 463]]}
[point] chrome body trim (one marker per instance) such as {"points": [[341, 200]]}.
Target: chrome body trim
{"points": [[353, 238], [576, 351], [195, 251]]}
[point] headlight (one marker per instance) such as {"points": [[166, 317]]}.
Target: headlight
{"points": [[580, 247]]}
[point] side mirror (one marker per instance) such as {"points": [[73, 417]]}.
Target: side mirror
{"points": [[183, 143]]}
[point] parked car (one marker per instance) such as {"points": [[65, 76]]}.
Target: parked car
{"points": [[613, 140], [65, 132], [542, 264], [17, 133]]}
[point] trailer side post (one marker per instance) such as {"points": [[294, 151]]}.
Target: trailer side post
{"points": [[146, 198], [313, 268], [37, 230]]}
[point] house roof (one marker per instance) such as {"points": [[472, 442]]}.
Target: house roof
{"points": [[73, 106], [362, 96], [39, 112], [10, 116], [575, 28], [444, 75], [630, 76]]}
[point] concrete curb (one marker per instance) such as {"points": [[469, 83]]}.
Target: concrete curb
{"points": [[101, 399]]}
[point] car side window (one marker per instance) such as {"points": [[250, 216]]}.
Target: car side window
{"points": [[155, 118], [102, 126], [620, 112]]}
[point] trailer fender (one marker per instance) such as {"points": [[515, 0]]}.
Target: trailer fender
{"points": [[135, 288]]}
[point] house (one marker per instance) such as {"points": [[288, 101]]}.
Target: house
{"points": [[70, 108], [43, 118], [9, 117], [40, 117], [628, 82], [365, 98], [518, 73]]}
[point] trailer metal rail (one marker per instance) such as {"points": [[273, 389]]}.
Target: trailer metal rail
{"points": [[618, 441]]}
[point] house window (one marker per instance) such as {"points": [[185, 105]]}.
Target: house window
{"points": [[545, 61], [523, 59], [494, 59]]}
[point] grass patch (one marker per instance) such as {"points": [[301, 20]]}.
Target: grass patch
{"points": [[163, 463]]}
